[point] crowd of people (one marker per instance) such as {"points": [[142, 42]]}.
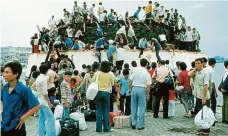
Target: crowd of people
{"points": [[69, 33], [144, 86]]}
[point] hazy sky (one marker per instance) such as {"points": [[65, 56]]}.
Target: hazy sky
{"points": [[18, 19]]}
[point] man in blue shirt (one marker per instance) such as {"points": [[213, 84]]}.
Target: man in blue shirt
{"points": [[136, 14], [124, 93], [68, 42], [100, 46], [18, 102], [111, 50], [142, 45]]}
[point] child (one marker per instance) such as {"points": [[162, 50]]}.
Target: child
{"points": [[172, 99], [124, 93], [83, 91]]}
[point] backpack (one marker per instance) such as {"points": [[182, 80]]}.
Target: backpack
{"points": [[69, 127]]}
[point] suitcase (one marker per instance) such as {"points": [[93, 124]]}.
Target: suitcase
{"points": [[122, 122], [112, 115]]}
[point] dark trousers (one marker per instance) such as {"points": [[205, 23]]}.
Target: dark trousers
{"points": [[112, 96], [195, 45], [157, 55], [119, 64], [141, 51], [15, 132], [127, 104], [189, 46], [163, 91], [99, 55], [149, 104], [213, 101], [199, 107]]}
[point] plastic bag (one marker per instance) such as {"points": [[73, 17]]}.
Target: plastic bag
{"points": [[58, 112], [57, 127], [205, 118], [80, 118]]}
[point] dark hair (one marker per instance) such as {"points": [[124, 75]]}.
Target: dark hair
{"points": [[65, 56], [64, 66], [153, 65], [183, 66], [126, 65], [2, 69], [43, 68], [148, 67], [76, 72], [84, 66], [88, 67], [125, 72], [199, 59], [83, 74], [226, 63], [162, 62], [95, 65], [15, 67], [134, 64], [204, 60], [73, 80], [193, 64], [33, 68], [212, 61], [150, 2], [105, 67], [167, 62], [143, 62], [68, 73], [178, 63], [35, 74]]}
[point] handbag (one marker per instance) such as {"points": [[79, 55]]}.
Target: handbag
{"points": [[179, 89], [92, 90], [69, 127]]}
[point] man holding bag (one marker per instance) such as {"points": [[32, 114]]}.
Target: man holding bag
{"points": [[200, 91]]}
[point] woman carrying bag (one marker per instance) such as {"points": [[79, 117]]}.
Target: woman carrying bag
{"points": [[105, 80]]}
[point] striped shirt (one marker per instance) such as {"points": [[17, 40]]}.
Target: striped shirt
{"points": [[66, 92]]}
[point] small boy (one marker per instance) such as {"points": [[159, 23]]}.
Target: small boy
{"points": [[172, 99], [66, 97], [124, 93], [83, 91]]}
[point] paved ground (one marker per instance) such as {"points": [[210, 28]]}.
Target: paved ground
{"points": [[176, 126]]}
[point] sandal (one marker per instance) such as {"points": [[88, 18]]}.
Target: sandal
{"points": [[187, 115]]}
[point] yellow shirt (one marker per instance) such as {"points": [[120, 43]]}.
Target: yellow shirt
{"points": [[149, 9], [105, 81]]}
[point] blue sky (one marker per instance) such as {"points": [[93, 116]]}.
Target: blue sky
{"points": [[19, 19]]}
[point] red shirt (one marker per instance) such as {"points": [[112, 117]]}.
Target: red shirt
{"points": [[184, 80], [151, 72]]}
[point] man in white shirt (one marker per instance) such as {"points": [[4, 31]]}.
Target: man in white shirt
{"points": [[120, 57], [46, 117], [70, 32], [103, 17], [189, 36], [139, 87], [76, 9], [91, 12], [52, 23]]}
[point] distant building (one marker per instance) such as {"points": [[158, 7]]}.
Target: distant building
{"points": [[10, 53]]}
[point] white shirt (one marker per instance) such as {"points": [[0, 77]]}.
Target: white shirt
{"points": [[120, 54], [52, 22], [102, 17], [40, 85], [188, 36], [225, 75], [131, 31], [122, 30], [140, 77], [162, 37], [51, 78], [69, 32], [91, 10], [121, 17], [78, 34]]}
